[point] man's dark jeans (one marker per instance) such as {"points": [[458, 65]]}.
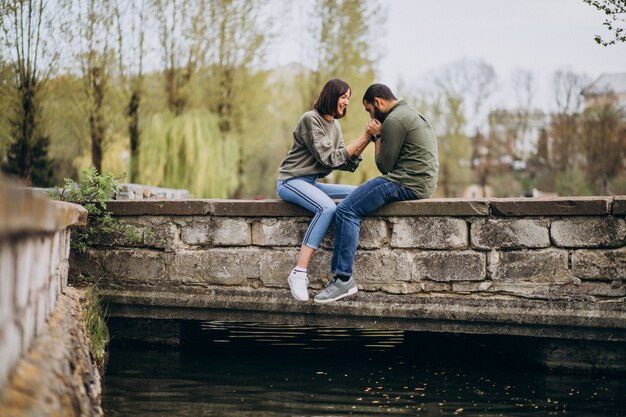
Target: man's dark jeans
{"points": [[365, 199]]}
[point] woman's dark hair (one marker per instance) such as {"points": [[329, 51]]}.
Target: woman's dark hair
{"points": [[326, 102], [378, 90]]}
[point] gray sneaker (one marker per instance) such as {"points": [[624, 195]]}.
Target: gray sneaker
{"points": [[335, 290]]}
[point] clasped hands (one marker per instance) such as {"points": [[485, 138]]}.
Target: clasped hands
{"points": [[373, 127]]}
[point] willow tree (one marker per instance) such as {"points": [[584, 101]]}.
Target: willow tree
{"points": [[27, 35], [131, 21]]}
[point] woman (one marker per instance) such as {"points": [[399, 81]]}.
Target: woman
{"points": [[316, 151]]}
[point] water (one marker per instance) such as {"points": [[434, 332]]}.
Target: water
{"points": [[237, 369]]}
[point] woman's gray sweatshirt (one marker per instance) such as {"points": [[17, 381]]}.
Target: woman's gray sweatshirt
{"points": [[317, 148]]}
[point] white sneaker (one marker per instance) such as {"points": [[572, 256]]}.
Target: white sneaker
{"points": [[298, 282]]}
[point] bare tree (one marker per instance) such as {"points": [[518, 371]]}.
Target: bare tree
{"points": [[27, 34], [132, 17], [615, 22], [523, 88], [179, 46], [563, 146], [472, 79]]}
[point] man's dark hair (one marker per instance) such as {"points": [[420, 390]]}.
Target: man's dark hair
{"points": [[378, 90], [326, 102]]}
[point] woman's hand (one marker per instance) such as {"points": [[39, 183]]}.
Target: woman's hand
{"points": [[373, 127]]}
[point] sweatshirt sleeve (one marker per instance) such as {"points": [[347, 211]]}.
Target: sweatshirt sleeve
{"points": [[321, 146], [393, 134]]}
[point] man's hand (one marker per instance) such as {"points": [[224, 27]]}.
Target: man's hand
{"points": [[373, 127]]}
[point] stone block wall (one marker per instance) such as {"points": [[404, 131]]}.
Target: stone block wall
{"points": [[560, 248], [34, 252]]}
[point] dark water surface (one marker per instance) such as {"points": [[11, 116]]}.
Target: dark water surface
{"points": [[236, 369]]}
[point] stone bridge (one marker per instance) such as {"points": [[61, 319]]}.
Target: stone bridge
{"points": [[549, 272]]}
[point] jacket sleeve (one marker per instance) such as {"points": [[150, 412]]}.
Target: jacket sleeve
{"points": [[321, 147], [393, 134]]}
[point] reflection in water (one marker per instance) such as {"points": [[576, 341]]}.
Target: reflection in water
{"points": [[236, 369]]}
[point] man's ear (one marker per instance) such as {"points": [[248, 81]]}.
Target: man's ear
{"points": [[378, 102]]}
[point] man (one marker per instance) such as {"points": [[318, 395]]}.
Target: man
{"points": [[406, 155]]}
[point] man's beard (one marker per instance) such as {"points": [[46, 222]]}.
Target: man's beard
{"points": [[378, 115]]}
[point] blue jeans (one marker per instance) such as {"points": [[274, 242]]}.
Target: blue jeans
{"points": [[365, 199], [317, 198]]}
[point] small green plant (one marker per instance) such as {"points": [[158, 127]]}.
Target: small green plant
{"points": [[92, 192], [94, 314]]}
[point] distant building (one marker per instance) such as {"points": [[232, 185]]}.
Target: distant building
{"points": [[517, 134], [607, 88]]}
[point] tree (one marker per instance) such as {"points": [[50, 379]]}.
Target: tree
{"points": [[27, 31], [603, 144], [94, 26], [615, 10], [563, 149], [181, 34], [235, 46], [523, 87], [132, 17], [474, 81]]}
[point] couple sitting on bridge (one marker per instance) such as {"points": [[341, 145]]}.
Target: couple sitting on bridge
{"points": [[406, 155]]}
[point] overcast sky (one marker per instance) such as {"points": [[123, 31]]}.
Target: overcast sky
{"points": [[421, 36]]}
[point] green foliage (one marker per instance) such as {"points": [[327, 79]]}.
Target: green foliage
{"points": [[42, 169], [94, 315], [92, 192], [572, 182], [189, 152], [615, 10]]}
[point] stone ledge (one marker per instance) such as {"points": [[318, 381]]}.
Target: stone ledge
{"points": [[455, 207], [619, 205], [24, 210], [57, 377], [560, 206], [473, 315]]}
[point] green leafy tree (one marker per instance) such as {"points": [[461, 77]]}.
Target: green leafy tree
{"points": [[95, 49], [615, 10], [189, 152], [237, 42], [42, 168], [27, 30]]}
